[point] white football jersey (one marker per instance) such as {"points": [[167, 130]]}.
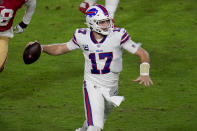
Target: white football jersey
{"points": [[103, 59]]}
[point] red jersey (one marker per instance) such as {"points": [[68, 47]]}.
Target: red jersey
{"points": [[8, 9]]}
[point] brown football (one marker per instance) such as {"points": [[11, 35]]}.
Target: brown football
{"points": [[32, 53]]}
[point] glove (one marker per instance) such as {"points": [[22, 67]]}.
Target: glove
{"points": [[20, 27]]}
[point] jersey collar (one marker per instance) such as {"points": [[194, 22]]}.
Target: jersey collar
{"points": [[95, 41]]}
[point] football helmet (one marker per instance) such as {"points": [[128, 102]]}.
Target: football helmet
{"points": [[96, 14]]}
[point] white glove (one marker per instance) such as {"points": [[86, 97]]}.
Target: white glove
{"points": [[20, 27]]}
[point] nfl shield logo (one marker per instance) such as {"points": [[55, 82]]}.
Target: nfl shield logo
{"points": [[85, 47]]}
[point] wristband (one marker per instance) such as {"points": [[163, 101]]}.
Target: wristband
{"points": [[23, 25], [144, 69]]}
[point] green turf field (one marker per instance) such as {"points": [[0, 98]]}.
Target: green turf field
{"points": [[47, 95]]}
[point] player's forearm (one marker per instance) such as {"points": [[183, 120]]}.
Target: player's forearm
{"points": [[31, 6], [55, 49], [143, 54], [144, 57]]}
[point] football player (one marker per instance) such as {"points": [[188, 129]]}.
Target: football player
{"points": [[102, 49], [111, 6], [8, 9]]}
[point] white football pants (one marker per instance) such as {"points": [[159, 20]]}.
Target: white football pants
{"points": [[96, 107]]}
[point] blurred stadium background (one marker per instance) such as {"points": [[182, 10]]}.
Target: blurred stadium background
{"points": [[47, 95]]}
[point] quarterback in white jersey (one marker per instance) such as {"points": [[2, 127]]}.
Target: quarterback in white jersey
{"points": [[103, 58], [102, 49]]}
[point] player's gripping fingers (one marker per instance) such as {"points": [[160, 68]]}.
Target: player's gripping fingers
{"points": [[30, 43], [18, 29], [32, 52]]}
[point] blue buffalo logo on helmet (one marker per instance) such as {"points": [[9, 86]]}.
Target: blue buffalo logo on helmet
{"points": [[92, 12]]}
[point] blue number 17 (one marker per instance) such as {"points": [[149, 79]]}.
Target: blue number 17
{"points": [[106, 68]]}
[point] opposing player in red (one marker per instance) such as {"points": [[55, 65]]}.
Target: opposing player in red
{"points": [[8, 9]]}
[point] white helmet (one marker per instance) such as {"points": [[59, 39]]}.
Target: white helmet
{"points": [[97, 13]]}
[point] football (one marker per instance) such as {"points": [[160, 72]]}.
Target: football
{"points": [[32, 53]]}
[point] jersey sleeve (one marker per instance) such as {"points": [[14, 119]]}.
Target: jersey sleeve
{"points": [[131, 46], [73, 44], [124, 36], [31, 6], [127, 44]]}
